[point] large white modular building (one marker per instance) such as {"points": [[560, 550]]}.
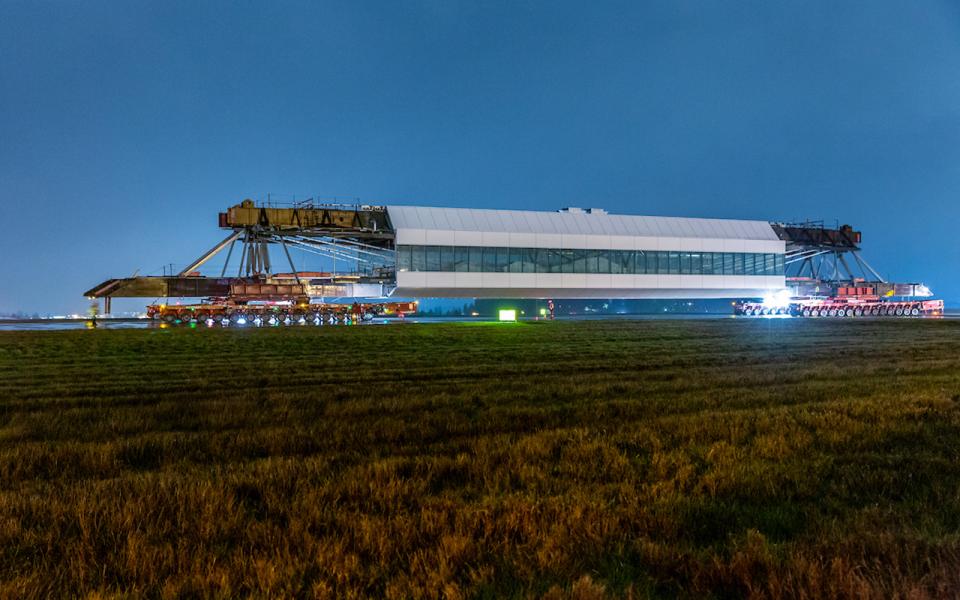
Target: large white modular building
{"points": [[581, 253]]}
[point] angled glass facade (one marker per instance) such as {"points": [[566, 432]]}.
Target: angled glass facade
{"points": [[472, 259]]}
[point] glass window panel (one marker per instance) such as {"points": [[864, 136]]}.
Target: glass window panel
{"points": [[516, 260], [728, 263], [628, 260], [529, 260], [620, 261], [706, 260], [770, 264], [685, 263], [417, 260], [663, 262], [718, 263], [475, 264], [696, 263], [589, 262], [674, 264], [579, 261], [503, 260], [557, 260], [603, 261], [489, 260], [738, 264], [403, 258], [616, 260], [566, 265], [779, 264], [461, 260], [651, 259], [446, 258], [543, 260], [433, 258]]}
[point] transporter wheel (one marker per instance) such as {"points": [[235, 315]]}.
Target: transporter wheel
{"points": [[238, 316], [915, 312], [874, 312], [805, 313], [201, 316], [841, 313], [899, 312], [858, 313], [169, 318]]}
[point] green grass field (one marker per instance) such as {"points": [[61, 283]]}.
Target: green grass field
{"points": [[726, 458]]}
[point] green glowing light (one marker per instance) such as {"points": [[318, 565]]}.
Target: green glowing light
{"points": [[508, 314]]}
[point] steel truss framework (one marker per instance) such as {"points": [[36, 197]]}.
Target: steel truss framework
{"points": [[255, 243], [828, 255]]}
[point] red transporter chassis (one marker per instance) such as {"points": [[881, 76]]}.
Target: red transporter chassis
{"points": [[281, 313], [843, 307]]}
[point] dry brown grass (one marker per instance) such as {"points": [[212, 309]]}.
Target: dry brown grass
{"points": [[768, 459]]}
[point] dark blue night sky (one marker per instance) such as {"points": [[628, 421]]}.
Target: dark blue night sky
{"points": [[126, 126]]}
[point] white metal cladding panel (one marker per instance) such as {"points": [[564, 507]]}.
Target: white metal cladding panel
{"points": [[496, 280], [574, 280], [523, 280], [549, 240], [560, 281], [466, 238], [420, 237], [469, 280], [523, 240], [622, 242], [411, 237], [441, 237], [413, 279], [517, 221], [496, 239], [549, 280], [599, 280], [443, 279], [669, 281]]}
